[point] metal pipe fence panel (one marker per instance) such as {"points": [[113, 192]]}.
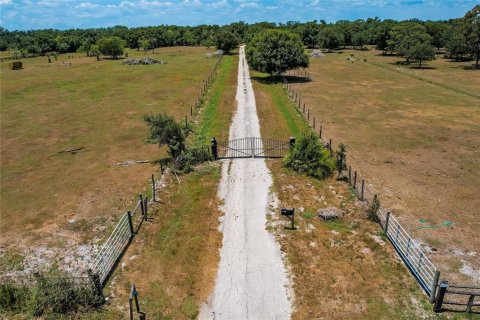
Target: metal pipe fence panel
{"points": [[112, 248], [411, 253]]}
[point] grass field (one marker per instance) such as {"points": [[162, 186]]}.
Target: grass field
{"points": [[414, 134], [343, 269], [98, 105]]}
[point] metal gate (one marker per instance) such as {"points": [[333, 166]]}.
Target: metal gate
{"points": [[251, 147]]}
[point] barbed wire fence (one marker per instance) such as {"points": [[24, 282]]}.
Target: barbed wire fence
{"points": [[415, 259]]}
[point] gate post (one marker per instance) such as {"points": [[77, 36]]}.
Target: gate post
{"points": [[214, 148], [441, 295], [291, 142], [433, 289]]}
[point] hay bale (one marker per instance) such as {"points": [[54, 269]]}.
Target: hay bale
{"points": [[17, 65]]}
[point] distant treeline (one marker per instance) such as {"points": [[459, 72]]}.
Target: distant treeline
{"points": [[460, 36]]}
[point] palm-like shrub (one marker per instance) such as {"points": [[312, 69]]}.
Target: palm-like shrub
{"points": [[308, 156]]}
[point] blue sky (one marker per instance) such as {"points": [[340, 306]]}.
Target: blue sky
{"points": [[66, 14]]}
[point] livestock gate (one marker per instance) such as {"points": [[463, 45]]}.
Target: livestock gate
{"points": [[251, 147]]}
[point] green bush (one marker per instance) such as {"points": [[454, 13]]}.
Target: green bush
{"points": [[49, 294], [13, 297], [310, 157]]}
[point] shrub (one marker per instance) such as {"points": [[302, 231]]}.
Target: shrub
{"points": [[50, 293], [308, 156], [164, 130], [373, 210]]}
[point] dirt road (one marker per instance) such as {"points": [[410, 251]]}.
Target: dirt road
{"points": [[251, 281]]}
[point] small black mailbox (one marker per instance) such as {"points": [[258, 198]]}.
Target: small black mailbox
{"points": [[288, 212]]}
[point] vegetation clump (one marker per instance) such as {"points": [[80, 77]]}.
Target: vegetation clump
{"points": [[372, 211], [49, 294], [308, 156], [166, 131]]}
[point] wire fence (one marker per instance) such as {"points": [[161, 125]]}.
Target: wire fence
{"points": [[424, 271]]}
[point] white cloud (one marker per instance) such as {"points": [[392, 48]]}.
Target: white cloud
{"points": [[5, 1], [87, 5]]}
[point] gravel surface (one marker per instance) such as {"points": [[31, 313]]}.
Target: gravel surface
{"points": [[252, 281]]}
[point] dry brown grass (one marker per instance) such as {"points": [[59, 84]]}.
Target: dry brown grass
{"points": [[46, 108], [414, 134]]}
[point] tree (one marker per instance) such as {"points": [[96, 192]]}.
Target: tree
{"points": [[164, 130], [437, 30], [329, 38], [86, 47], [456, 44], [95, 51], [276, 51], [421, 52], [359, 39], [226, 41], [471, 23], [144, 44], [406, 35], [111, 46]]}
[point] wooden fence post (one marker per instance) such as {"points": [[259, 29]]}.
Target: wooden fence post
{"points": [[363, 186], [299, 103], [145, 216], [303, 108], [308, 114], [330, 147], [387, 220], [441, 295], [313, 122], [320, 132], [130, 224], [140, 196], [355, 181], [191, 111], [154, 189], [349, 175], [433, 286]]}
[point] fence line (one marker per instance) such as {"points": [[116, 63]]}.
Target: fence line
{"points": [[424, 271]]}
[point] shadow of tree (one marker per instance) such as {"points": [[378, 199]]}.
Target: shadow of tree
{"points": [[278, 79]]}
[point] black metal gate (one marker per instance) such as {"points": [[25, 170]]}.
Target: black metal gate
{"points": [[251, 147]]}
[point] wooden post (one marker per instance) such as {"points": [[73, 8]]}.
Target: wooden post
{"points": [[191, 111], [308, 114], [145, 216], [140, 196], [470, 303], [304, 108], [387, 220], [355, 180], [320, 132], [313, 122], [363, 186], [433, 286], [296, 96], [330, 147], [299, 102], [130, 223], [349, 175], [441, 295], [154, 189]]}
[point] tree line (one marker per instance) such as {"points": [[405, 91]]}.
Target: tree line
{"points": [[411, 38]]}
